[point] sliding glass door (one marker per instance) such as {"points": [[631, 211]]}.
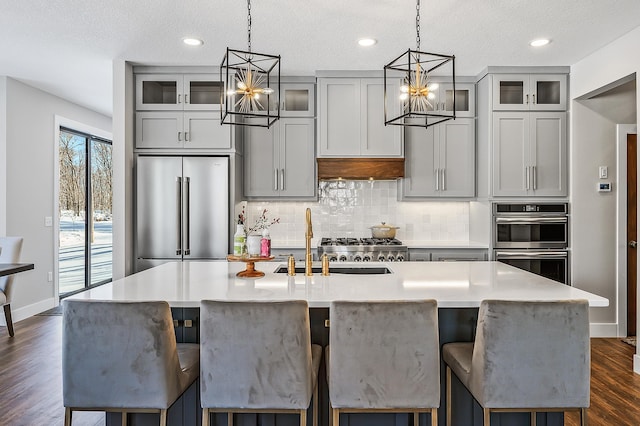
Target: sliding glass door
{"points": [[85, 202]]}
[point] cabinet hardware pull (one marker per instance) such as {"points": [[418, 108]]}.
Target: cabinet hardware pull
{"points": [[275, 179], [179, 101], [526, 176], [179, 136], [186, 136], [443, 185], [186, 98], [187, 231], [178, 215], [437, 179], [282, 179], [527, 99], [535, 179], [188, 323], [534, 98]]}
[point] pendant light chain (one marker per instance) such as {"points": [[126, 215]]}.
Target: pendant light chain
{"points": [[418, 24], [249, 25]]}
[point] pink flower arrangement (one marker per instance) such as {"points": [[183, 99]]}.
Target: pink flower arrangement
{"points": [[262, 222]]}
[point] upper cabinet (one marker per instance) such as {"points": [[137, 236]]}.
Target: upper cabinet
{"points": [[297, 99], [532, 92], [156, 92], [444, 97], [351, 119]]}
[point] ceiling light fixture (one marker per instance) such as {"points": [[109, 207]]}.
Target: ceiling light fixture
{"points": [[413, 102], [190, 41], [540, 42], [366, 42], [249, 79]]}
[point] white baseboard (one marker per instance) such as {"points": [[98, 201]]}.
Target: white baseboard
{"points": [[604, 330], [29, 310], [636, 364]]}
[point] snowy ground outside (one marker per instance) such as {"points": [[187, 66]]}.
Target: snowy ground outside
{"points": [[72, 255]]}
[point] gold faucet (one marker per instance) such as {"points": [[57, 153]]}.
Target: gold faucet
{"points": [[308, 257]]}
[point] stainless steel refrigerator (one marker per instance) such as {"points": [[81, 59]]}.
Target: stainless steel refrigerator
{"points": [[182, 209]]}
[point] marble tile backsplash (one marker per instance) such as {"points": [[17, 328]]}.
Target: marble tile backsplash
{"points": [[349, 208]]}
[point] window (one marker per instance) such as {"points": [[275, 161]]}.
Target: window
{"points": [[85, 203]]}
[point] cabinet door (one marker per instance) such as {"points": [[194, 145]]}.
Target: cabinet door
{"points": [[203, 130], [159, 92], [297, 100], [510, 153], [457, 158], [261, 173], [202, 92], [377, 140], [465, 99], [297, 157], [511, 92], [549, 92], [339, 127], [459, 255], [159, 130], [548, 153], [420, 162]]}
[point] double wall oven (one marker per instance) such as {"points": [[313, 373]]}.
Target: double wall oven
{"points": [[533, 237]]}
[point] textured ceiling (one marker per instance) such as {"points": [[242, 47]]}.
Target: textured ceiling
{"points": [[66, 47]]}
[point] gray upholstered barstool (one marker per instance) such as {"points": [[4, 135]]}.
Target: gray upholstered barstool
{"points": [[257, 357], [10, 248], [384, 357], [123, 357], [527, 356]]}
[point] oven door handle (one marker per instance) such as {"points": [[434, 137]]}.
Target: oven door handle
{"points": [[531, 220], [529, 254]]}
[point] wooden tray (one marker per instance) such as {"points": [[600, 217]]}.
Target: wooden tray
{"points": [[251, 271]]}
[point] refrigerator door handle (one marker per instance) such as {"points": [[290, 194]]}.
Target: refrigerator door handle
{"points": [[187, 232], [178, 215]]}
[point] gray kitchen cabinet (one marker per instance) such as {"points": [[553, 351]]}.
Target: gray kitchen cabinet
{"points": [[297, 99], [280, 161], [529, 154], [165, 92], [530, 92], [181, 130], [459, 255], [465, 98], [351, 113], [440, 160]]}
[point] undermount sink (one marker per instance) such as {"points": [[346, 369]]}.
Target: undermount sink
{"points": [[376, 270]]}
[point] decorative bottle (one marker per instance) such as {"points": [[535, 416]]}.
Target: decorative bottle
{"points": [[239, 241], [265, 244]]}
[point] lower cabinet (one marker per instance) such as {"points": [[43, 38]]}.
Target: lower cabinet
{"points": [[440, 161], [448, 255], [280, 161]]}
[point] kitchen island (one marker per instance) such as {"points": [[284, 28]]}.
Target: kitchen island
{"points": [[458, 287]]}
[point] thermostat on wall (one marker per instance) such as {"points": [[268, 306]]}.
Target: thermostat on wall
{"points": [[604, 186]]}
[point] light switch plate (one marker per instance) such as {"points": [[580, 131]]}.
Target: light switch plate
{"points": [[48, 221], [603, 172]]}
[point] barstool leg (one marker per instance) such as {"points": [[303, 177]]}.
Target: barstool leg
{"points": [[448, 402], [533, 418], [124, 418], [315, 406], [67, 416], [229, 418], [330, 414], [163, 417], [416, 418], [434, 417], [583, 417], [205, 417], [336, 416], [303, 417], [487, 416]]}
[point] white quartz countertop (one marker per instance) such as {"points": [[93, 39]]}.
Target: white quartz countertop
{"points": [[452, 284]]}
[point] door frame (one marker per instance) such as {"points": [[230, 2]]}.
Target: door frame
{"points": [[59, 122], [621, 225]]}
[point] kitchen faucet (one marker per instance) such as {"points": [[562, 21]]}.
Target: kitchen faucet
{"points": [[308, 235]]}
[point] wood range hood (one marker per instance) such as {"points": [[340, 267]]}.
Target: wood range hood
{"points": [[360, 168]]}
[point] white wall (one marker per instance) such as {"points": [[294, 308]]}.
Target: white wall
{"points": [[3, 155], [30, 147], [613, 62]]}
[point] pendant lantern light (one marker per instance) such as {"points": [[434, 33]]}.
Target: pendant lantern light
{"points": [[416, 103], [251, 82]]}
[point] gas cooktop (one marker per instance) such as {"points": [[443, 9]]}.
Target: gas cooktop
{"points": [[350, 249], [349, 241]]}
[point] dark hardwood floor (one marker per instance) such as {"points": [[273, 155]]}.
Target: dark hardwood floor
{"points": [[31, 382]]}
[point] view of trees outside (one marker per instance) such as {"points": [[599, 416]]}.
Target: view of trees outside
{"points": [[74, 211]]}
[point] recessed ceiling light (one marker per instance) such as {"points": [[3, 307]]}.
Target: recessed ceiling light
{"points": [[192, 41], [540, 42], [366, 42]]}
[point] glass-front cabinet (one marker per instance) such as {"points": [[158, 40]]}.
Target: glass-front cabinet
{"points": [[297, 99], [533, 92], [177, 92]]}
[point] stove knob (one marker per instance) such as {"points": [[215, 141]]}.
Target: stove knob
{"points": [[366, 258], [333, 259], [391, 258], [381, 258], [357, 258], [343, 258], [400, 258]]}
